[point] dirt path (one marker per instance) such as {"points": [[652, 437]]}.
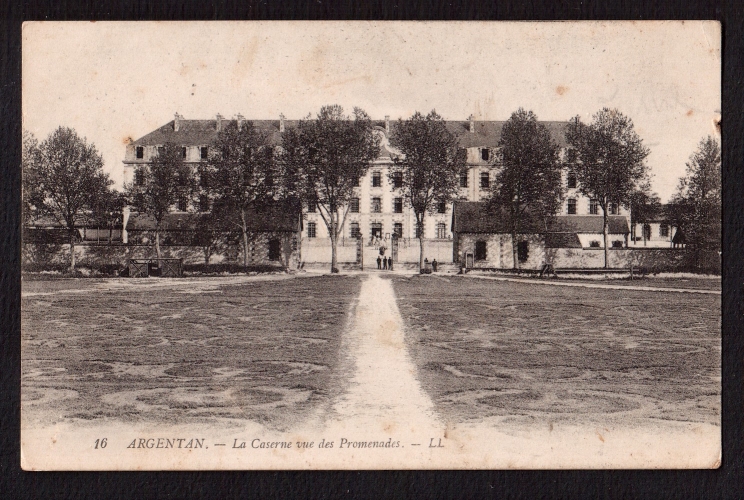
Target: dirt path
{"points": [[383, 398]]}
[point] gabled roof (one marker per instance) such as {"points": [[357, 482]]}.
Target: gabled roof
{"points": [[589, 224], [476, 217], [282, 216], [202, 132]]}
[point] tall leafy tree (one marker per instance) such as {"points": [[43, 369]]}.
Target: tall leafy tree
{"points": [[69, 178], [241, 176], [31, 195], [323, 160], [430, 161], [527, 189], [158, 186], [645, 206], [609, 160], [696, 207]]}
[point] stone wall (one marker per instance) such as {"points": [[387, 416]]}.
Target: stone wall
{"points": [[40, 256]]}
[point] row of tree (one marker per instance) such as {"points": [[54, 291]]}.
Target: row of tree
{"points": [[321, 160]]}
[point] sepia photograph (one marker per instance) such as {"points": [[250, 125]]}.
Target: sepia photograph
{"points": [[371, 245]]}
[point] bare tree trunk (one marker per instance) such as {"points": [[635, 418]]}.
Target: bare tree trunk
{"points": [[157, 241], [244, 230], [334, 241], [515, 250], [72, 251], [605, 233], [334, 257], [421, 242]]}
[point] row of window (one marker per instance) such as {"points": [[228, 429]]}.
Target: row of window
{"points": [[593, 207], [203, 152], [377, 206], [523, 250], [663, 231], [376, 230]]}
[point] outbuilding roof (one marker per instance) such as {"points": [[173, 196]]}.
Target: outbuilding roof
{"points": [[281, 216], [477, 217]]}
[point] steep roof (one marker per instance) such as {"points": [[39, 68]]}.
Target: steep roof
{"points": [[475, 217], [283, 216], [202, 132]]}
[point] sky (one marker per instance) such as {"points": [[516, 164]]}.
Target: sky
{"points": [[116, 81]]}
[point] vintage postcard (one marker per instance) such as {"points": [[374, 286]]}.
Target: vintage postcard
{"points": [[370, 245]]}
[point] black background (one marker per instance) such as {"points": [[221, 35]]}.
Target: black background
{"points": [[726, 482]]}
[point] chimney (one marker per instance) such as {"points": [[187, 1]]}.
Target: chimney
{"points": [[177, 122], [240, 119], [218, 120], [387, 124], [471, 119], [281, 122]]}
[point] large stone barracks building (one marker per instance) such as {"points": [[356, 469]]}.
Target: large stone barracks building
{"points": [[378, 212]]}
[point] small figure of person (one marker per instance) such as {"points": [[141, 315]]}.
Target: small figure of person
{"points": [[390, 263], [434, 265], [384, 263], [379, 262]]}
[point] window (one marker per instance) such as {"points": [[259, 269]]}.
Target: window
{"points": [[183, 152], [617, 244], [442, 207], [664, 231], [572, 206], [441, 230], [204, 152], [376, 229], [480, 250], [485, 154], [614, 209], [376, 205], [376, 179], [354, 205], [312, 206], [398, 205], [355, 183], [593, 207], [571, 180], [594, 244], [355, 232], [647, 231], [275, 249], [161, 150], [485, 181], [311, 229], [523, 251], [204, 203], [398, 229], [398, 179], [140, 152], [464, 179], [139, 177], [419, 230], [183, 203]]}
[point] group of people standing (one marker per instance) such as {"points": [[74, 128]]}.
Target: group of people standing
{"points": [[385, 263]]}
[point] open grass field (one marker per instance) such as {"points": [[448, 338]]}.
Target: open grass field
{"points": [[181, 351], [538, 353]]}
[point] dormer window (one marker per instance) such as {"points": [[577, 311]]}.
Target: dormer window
{"points": [[140, 151], [571, 179], [376, 179], [485, 154]]}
